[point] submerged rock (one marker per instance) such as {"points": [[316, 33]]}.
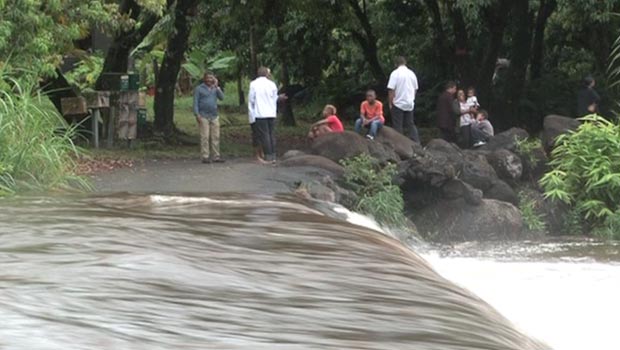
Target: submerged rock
{"points": [[314, 161], [457, 220]]}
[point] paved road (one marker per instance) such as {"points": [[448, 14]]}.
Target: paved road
{"points": [[191, 176]]}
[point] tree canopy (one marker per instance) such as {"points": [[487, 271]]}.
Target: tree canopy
{"points": [[331, 49]]}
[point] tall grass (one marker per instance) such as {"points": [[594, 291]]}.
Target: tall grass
{"points": [[37, 152]]}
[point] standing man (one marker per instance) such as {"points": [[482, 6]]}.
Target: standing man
{"points": [[205, 110], [402, 87], [262, 108], [587, 98], [447, 112]]}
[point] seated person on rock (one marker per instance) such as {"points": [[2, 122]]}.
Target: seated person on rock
{"points": [[371, 115], [481, 129], [329, 124]]}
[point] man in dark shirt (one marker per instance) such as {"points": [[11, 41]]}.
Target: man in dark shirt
{"points": [[446, 115], [587, 98]]}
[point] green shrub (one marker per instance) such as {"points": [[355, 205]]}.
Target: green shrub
{"points": [[526, 148], [530, 211], [377, 195], [585, 170], [36, 147], [610, 229]]}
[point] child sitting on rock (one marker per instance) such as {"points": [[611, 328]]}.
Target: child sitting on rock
{"points": [[330, 123], [371, 115], [481, 129]]}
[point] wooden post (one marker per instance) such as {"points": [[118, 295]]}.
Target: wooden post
{"points": [[111, 121], [95, 126]]}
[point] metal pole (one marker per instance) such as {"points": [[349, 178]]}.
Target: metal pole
{"points": [[95, 126]]}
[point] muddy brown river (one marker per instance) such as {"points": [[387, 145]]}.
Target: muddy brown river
{"points": [[238, 272]]}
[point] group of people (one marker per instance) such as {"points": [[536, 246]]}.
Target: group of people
{"points": [[463, 111], [402, 88], [474, 126]]}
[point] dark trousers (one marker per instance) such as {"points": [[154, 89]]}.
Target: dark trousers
{"points": [[404, 119], [466, 136], [266, 136], [447, 134], [478, 136]]}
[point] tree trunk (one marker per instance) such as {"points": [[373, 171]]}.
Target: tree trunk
{"points": [[57, 88], [253, 51], [288, 117], [368, 41], [117, 57], [170, 67], [464, 68], [520, 56], [439, 36], [544, 12], [240, 91], [496, 18]]}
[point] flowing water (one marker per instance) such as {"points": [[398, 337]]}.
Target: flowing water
{"points": [[163, 272]]}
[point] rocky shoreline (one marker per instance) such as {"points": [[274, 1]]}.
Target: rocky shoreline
{"points": [[450, 194]]}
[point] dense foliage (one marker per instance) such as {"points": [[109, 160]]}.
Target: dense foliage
{"points": [[36, 147], [586, 170], [377, 196]]}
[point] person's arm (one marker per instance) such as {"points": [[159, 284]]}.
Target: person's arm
{"points": [[219, 93], [379, 115], [391, 86], [320, 122], [456, 107], [196, 100], [251, 102]]}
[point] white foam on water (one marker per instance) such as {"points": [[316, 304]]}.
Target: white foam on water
{"points": [[568, 305]]}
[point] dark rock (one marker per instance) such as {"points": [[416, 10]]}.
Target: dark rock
{"points": [[455, 189], [457, 220], [450, 151], [477, 171], [382, 153], [501, 191], [535, 164], [344, 196], [339, 146], [316, 190], [292, 153], [554, 126], [507, 165], [404, 147], [314, 161], [427, 169], [506, 140]]}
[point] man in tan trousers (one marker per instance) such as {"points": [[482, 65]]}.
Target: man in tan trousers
{"points": [[205, 110]]}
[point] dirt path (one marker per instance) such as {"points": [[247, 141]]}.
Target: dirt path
{"points": [[184, 176]]}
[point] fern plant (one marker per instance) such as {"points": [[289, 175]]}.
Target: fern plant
{"points": [[377, 195], [586, 169]]}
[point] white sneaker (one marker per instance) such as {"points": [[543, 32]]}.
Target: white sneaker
{"points": [[370, 137], [479, 143]]}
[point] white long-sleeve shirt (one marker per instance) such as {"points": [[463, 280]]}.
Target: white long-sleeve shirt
{"points": [[262, 99]]}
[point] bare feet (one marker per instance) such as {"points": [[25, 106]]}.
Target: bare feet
{"points": [[260, 160]]}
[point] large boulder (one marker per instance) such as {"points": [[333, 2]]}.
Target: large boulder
{"points": [[457, 220], [427, 169], [554, 126], [501, 191], [404, 147], [292, 153], [535, 164], [455, 189], [477, 171], [507, 165], [339, 146], [447, 150], [310, 160], [506, 140]]}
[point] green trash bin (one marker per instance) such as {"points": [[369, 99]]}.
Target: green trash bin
{"points": [[133, 83], [141, 117]]}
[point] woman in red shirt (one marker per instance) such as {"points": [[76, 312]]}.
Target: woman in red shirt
{"points": [[329, 124]]}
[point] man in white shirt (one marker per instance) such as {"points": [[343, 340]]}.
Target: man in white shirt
{"points": [[402, 87], [262, 110]]}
